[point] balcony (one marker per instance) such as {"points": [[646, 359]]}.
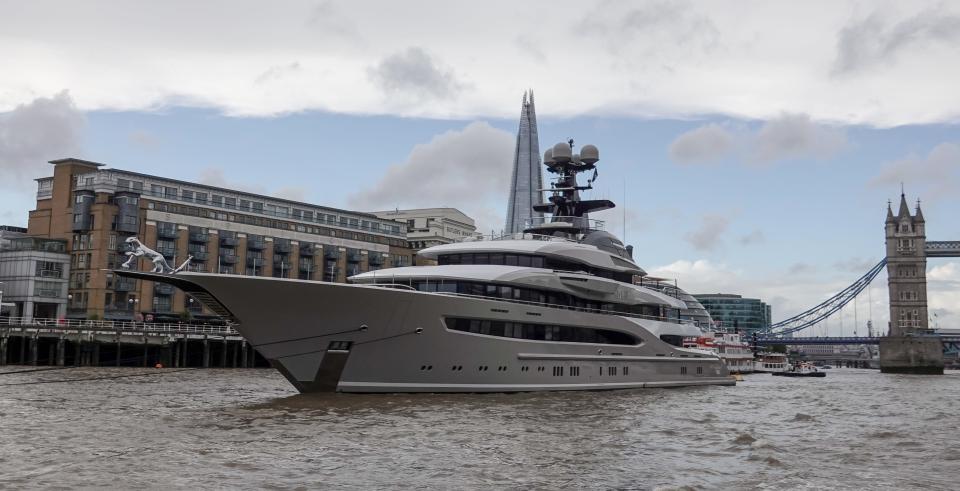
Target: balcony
{"points": [[282, 247], [331, 253], [124, 286], [256, 244], [199, 237], [354, 257], [255, 262], [163, 289], [307, 250], [167, 232], [307, 267], [128, 224], [199, 255], [228, 241], [167, 252], [228, 258]]}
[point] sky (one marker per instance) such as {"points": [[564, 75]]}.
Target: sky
{"points": [[751, 147]]}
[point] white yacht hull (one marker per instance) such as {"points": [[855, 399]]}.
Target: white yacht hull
{"points": [[354, 338]]}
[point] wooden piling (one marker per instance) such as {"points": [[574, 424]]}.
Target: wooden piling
{"points": [[61, 351], [3, 349], [223, 353], [206, 352], [243, 354]]}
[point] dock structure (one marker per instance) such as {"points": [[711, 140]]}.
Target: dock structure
{"points": [[63, 342]]}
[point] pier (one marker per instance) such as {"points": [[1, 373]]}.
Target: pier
{"points": [[63, 342]]}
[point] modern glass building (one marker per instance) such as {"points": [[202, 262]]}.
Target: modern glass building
{"points": [[735, 312]]}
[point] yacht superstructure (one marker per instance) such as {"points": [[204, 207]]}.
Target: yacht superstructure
{"points": [[552, 308]]}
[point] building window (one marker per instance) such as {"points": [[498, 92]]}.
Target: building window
{"points": [[230, 202]]}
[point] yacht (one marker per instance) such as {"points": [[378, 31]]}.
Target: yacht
{"points": [[770, 362], [729, 346], [552, 308]]}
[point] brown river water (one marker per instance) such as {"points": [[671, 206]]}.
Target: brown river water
{"points": [[130, 428]]}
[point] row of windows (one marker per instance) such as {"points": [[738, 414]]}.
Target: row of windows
{"points": [[539, 332], [543, 297], [277, 224], [529, 260]]}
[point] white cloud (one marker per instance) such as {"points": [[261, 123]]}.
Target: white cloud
{"points": [[708, 236], [35, 133], [872, 41], [415, 74], [784, 137], [700, 276], [31, 135], [936, 175], [652, 58], [943, 294], [467, 169], [707, 143]]}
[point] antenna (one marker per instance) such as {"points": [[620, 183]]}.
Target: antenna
{"points": [[624, 211]]}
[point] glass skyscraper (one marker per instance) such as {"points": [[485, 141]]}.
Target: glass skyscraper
{"points": [[735, 312]]}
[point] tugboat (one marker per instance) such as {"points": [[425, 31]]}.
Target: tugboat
{"points": [[801, 369]]}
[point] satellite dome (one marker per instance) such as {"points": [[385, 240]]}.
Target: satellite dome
{"points": [[576, 158], [548, 156], [561, 152], [589, 154]]}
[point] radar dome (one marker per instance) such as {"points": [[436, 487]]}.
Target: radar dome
{"points": [[561, 152], [589, 154], [548, 156]]}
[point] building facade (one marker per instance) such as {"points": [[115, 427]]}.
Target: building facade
{"points": [[33, 273], [427, 227], [906, 241], [735, 312], [95, 210]]}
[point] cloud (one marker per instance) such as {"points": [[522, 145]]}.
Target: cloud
{"points": [[35, 133], [784, 137], [669, 59], [699, 276], [937, 175], [630, 27], [707, 143], [794, 136], [872, 41], [414, 73], [466, 169], [707, 237], [943, 294], [754, 237], [278, 71]]}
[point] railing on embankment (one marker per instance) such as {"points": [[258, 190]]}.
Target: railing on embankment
{"points": [[65, 342]]}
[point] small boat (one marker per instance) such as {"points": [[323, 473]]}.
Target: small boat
{"points": [[801, 370]]}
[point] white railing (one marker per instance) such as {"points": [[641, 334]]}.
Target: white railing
{"points": [[107, 325]]}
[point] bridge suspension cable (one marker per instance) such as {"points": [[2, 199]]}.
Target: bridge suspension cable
{"points": [[828, 307]]}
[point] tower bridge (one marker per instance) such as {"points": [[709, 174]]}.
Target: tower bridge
{"points": [[909, 346]]}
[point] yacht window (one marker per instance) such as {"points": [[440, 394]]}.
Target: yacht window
{"points": [[540, 332], [496, 258], [447, 287], [514, 260], [481, 259]]}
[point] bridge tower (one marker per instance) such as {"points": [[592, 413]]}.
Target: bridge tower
{"points": [[906, 270], [908, 348]]}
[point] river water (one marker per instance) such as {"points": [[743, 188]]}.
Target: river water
{"points": [[146, 428]]}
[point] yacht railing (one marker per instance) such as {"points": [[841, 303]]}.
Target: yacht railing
{"points": [[582, 222], [518, 236]]}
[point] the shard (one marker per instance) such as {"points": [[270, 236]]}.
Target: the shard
{"points": [[527, 180]]}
